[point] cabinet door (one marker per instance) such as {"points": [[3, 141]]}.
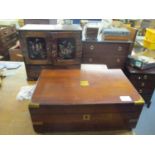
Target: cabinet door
{"points": [[35, 47]]}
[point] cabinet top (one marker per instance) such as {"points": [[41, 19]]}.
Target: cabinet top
{"points": [[83, 87], [39, 27]]}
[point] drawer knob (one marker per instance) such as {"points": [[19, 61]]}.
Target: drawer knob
{"points": [[140, 91], [145, 77], [139, 78], [118, 60], [142, 84], [91, 47], [90, 60], [86, 117], [120, 48]]}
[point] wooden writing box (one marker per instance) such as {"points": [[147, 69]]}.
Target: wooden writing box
{"points": [[84, 100]]}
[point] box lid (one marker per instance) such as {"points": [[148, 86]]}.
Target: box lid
{"points": [[74, 86]]}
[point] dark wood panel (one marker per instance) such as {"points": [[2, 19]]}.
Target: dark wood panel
{"points": [[96, 49], [143, 81], [91, 109], [48, 128], [111, 62]]}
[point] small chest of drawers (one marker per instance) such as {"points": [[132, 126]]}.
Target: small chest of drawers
{"points": [[143, 81], [111, 53]]}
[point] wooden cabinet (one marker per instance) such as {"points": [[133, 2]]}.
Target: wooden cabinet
{"points": [[8, 38], [47, 44], [61, 103], [113, 54], [50, 46], [143, 80]]}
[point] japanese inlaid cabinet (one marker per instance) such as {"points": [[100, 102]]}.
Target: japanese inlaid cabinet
{"points": [[50, 46]]}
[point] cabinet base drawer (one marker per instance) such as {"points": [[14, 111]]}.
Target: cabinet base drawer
{"points": [[85, 119]]}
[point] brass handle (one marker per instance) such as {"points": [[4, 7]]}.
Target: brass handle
{"points": [[86, 117], [140, 91], [120, 48], [92, 47]]}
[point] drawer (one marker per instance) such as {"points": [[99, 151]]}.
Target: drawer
{"points": [[76, 118], [145, 91], [40, 127], [142, 77], [143, 84], [111, 62], [102, 49], [87, 122]]}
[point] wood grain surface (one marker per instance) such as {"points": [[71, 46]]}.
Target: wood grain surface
{"points": [[62, 87]]}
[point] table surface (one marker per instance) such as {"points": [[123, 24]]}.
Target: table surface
{"points": [[14, 115], [74, 86]]}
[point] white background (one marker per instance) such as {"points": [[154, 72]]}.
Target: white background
{"points": [[77, 145]]}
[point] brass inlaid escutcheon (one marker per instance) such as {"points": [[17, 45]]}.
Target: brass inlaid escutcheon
{"points": [[86, 117], [34, 105], [84, 83]]}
